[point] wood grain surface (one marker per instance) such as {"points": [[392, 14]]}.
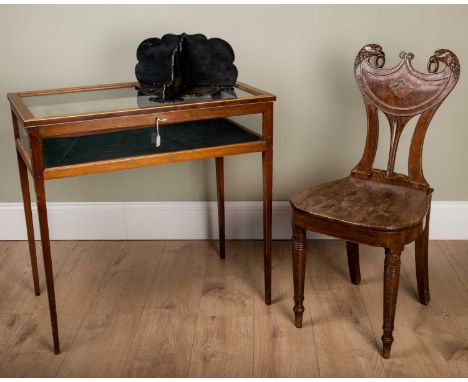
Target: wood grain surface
{"points": [[174, 309]]}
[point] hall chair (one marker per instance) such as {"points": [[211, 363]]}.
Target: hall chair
{"points": [[377, 207]]}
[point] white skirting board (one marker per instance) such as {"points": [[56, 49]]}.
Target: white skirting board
{"points": [[187, 220]]}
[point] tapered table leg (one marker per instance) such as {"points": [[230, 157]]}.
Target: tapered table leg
{"points": [[38, 164], [221, 219], [23, 172], [267, 156], [267, 220]]}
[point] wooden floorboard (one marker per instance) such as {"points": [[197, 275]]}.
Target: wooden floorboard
{"points": [[117, 306], [164, 338], [77, 282], [223, 342], [174, 309]]}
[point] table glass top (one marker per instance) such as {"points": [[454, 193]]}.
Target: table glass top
{"points": [[93, 101]]}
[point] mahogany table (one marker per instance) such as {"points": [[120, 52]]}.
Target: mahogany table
{"points": [[84, 130]]}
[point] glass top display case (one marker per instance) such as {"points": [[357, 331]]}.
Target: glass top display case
{"points": [[69, 132], [103, 123], [66, 104]]}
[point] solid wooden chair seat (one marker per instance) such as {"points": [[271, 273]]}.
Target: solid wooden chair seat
{"points": [[365, 203]]}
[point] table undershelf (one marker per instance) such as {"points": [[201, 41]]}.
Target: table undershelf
{"points": [[194, 135]]}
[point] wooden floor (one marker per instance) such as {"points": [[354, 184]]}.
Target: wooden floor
{"points": [[175, 309]]}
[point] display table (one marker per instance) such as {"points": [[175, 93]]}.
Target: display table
{"points": [[78, 131]]}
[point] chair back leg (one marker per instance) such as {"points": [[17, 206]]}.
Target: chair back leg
{"points": [[352, 250], [421, 247]]}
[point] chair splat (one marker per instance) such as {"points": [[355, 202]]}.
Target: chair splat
{"points": [[401, 93]]}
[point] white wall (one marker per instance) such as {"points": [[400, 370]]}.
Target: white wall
{"points": [[303, 54]]}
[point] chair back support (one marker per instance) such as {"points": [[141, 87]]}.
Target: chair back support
{"points": [[401, 93]]}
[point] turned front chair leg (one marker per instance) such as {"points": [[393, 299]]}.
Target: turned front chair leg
{"points": [[421, 247], [391, 283], [220, 192], [299, 263], [23, 172], [352, 250]]}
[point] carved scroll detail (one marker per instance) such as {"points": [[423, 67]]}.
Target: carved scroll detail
{"points": [[406, 56], [369, 51], [448, 58]]}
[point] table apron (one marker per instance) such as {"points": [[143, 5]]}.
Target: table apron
{"points": [[112, 124], [151, 160]]}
